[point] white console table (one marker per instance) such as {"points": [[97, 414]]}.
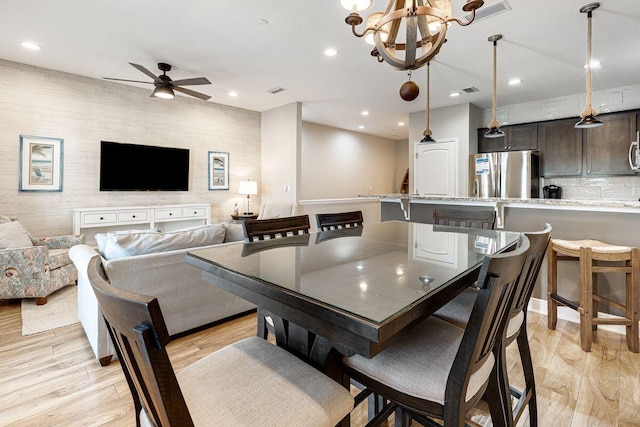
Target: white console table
{"points": [[153, 215]]}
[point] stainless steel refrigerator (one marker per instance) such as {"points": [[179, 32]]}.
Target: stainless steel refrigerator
{"points": [[505, 175]]}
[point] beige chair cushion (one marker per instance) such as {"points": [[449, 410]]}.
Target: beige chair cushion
{"points": [[255, 383], [13, 236], [595, 245], [419, 362], [58, 258]]}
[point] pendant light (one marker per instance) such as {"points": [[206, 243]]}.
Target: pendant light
{"points": [[587, 117], [494, 126], [427, 132]]}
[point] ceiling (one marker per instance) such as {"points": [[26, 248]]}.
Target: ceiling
{"points": [[544, 44]]}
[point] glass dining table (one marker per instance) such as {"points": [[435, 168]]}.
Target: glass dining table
{"points": [[354, 289]]}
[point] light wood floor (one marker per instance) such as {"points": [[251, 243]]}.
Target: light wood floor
{"points": [[53, 379]]}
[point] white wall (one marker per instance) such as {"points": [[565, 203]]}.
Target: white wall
{"points": [[84, 111], [457, 121], [338, 163], [402, 163], [281, 153]]}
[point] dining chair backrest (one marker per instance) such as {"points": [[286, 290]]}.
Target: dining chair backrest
{"points": [[259, 229], [497, 281], [139, 331], [460, 218], [538, 242], [334, 221]]}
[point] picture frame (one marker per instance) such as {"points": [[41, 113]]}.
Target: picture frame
{"points": [[218, 170], [41, 164]]}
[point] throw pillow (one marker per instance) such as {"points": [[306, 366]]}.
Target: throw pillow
{"points": [[13, 236], [234, 232], [124, 245]]}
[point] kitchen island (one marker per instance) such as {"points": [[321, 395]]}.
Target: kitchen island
{"points": [[615, 222]]}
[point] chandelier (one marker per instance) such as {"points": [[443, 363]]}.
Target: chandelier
{"points": [[422, 23]]}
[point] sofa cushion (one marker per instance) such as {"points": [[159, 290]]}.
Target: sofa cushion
{"points": [[101, 238], [124, 245], [58, 258], [234, 232], [13, 235]]}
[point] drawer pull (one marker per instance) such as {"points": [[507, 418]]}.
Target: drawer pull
{"points": [[170, 213], [101, 218], [133, 216]]}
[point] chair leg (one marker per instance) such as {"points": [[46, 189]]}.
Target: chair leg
{"points": [[586, 299], [633, 285], [41, 300], [529, 379], [552, 287], [497, 394]]}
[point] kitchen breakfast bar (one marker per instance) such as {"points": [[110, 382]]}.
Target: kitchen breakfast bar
{"points": [[616, 222]]}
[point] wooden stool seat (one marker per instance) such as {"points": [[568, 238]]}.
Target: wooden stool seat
{"points": [[595, 257]]}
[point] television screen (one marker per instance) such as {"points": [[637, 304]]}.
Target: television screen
{"points": [[131, 167]]}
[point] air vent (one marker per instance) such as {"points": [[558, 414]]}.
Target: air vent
{"points": [[490, 10], [471, 89], [276, 90]]}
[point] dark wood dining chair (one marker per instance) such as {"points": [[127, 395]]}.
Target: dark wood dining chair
{"points": [[459, 309], [260, 229], [437, 370], [250, 382], [339, 220], [460, 218]]}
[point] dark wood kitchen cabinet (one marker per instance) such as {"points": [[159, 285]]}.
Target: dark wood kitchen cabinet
{"points": [[561, 148], [606, 148], [517, 138]]}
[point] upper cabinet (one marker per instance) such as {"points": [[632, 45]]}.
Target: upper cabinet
{"points": [[517, 138], [606, 148], [560, 148]]}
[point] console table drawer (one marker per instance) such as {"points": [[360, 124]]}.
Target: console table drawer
{"points": [[193, 212], [133, 216], [100, 218], [164, 214]]}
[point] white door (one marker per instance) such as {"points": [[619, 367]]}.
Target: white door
{"points": [[435, 166]]}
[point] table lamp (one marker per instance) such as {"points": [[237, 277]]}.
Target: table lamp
{"points": [[248, 187]]}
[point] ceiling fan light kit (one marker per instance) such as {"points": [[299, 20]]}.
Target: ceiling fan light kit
{"points": [[164, 86], [494, 126], [587, 117]]}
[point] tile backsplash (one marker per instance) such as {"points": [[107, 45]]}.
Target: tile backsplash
{"points": [[598, 188]]}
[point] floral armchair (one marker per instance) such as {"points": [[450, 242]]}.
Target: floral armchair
{"points": [[33, 267]]}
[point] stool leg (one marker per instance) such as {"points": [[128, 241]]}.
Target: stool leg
{"points": [[586, 298], [594, 291], [633, 285], [552, 287]]}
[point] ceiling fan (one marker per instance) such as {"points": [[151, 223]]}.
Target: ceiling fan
{"points": [[165, 86]]}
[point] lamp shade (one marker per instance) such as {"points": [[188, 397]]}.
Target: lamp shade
{"points": [[248, 187], [355, 5]]}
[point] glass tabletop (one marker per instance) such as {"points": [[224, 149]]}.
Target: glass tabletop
{"points": [[373, 272]]}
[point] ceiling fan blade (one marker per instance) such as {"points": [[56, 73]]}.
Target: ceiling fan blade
{"points": [[192, 93], [125, 80], [191, 82], [145, 71]]}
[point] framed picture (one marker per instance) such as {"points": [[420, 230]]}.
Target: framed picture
{"points": [[40, 163], [218, 170]]}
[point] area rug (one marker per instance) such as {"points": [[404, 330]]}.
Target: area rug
{"points": [[60, 310]]}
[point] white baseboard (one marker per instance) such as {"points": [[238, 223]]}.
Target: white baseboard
{"points": [[538, 305]]}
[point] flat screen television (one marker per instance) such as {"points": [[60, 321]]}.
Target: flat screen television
{"points": [[132, 167]]}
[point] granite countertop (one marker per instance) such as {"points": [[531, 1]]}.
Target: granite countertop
{"points": [[558, 203]]}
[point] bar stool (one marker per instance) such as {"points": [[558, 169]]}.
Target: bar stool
{"points": [[595, 257]]}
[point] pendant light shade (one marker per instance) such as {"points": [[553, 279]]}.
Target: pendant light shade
{"points": [[427, 132], [494, 126], [587, 116]]}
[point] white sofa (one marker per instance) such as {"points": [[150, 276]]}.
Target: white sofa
{"points": [[187, 302]]}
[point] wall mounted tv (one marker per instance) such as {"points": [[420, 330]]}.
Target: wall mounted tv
{"points": [[132, 167]]}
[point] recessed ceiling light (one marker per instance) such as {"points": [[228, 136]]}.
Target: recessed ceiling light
{"points": [[454, 94], [31, 45], [400, 123], [361, 127], [262, 21], [365, 113], [515, 82], [594, 64], [331, 52], [233, 93]]}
